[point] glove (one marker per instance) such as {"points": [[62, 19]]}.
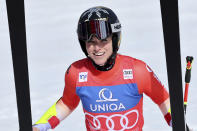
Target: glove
{"points": [[42, 127]]}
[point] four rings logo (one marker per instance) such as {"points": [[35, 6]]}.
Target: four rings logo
{"points": [[95, 124], [128, 73]]}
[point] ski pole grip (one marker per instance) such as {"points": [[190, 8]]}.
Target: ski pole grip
{"points": [[189, 60]]}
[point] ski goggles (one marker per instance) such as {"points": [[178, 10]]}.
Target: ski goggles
{"points": [[99, 28]]}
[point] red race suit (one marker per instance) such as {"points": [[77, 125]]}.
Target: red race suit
{"points": [[112, 100]]}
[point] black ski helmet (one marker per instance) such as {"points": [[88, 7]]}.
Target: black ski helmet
{"points": [[101, 22]]}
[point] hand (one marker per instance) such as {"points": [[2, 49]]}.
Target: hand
{"points": [[41, 127], [35, 129]]}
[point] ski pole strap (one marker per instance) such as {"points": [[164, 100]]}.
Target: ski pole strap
{"points": [[50, 116]]}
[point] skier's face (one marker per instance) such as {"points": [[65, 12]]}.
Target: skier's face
{"points": [[99, 50]]}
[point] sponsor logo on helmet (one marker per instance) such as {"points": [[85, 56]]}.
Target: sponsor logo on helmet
{"points": [[83, 76], [128, 73], [94, 10], [116, 27]]}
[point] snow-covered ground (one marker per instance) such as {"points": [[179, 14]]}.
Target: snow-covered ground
{"points": [[53, 46]]}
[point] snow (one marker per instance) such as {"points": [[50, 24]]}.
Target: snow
{"points": [[53, 46]]}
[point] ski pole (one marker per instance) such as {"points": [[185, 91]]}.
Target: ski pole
{"points": [[16, 21], [189, 60]]}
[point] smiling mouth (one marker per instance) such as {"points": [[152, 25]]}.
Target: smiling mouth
{"points": [[99, 54]]}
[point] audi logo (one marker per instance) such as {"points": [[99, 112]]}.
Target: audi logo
{"points": [[110, 124]]}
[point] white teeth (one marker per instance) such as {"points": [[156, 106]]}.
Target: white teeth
{"points": [[99, 53]]}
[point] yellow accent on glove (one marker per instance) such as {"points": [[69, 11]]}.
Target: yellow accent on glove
{"points": [[169, 110], [47, 115]]}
